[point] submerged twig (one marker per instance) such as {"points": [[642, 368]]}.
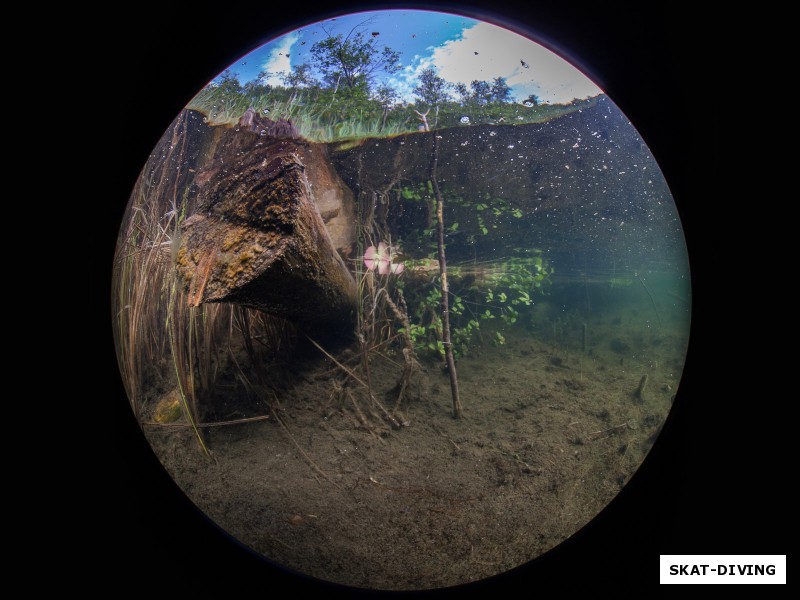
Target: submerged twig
{"points": [[310, 462], [614, 428], [215, 424], [448, 345], [409, 357], [652, 300], [340, 365]]}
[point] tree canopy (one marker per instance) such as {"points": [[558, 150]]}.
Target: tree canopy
{"points": [[432, 89], [352, 61]]}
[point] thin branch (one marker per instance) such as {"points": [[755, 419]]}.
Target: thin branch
{"points": [[340, 365], [448, 345], [216, 424]]}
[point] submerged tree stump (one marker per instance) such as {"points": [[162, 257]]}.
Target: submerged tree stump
{"points": [[257, 238]]}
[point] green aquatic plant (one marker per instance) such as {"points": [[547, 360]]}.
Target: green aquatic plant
{"points": [[469, 219], [496, 292]]}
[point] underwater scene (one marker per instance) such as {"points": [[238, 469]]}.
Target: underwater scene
{"points": [[394, 319]]}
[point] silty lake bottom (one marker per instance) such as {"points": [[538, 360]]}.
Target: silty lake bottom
{"points": [[340, 458]]}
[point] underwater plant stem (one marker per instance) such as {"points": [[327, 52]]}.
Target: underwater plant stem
{"points": [[652, 300], [185, 383], [408, 351], [448, 345]]}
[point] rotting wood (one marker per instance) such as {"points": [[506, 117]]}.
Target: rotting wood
{"points": [[257, 238]]}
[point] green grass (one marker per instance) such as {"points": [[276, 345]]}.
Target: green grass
{"points": [[322, 117]]}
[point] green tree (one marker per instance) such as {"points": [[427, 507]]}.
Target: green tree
{"points": [[500, 91], [228, 83], [462, 91], [432, 89], [481, 92], [352, 61], [258, 86], [299, 77], [386, 96]]}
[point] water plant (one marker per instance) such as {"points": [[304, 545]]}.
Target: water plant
{"points": [[164, 346], [494, 293]]}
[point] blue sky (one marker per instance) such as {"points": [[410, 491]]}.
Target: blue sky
{"points": [[460, 49]]}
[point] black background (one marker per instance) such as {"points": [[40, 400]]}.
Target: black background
{"points": [[711, 484]]}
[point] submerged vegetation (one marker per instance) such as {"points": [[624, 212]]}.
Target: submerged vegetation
{"points": [[481, 290], [497, 293], [166, 348]]}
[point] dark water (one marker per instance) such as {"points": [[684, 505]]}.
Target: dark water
{"points": [[573, 214]]}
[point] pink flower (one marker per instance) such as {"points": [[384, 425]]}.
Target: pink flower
{"points": [[381, 259]]}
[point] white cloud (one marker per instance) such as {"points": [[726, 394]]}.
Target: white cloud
{"points": [[408, 78], [486, 51], [278, 62]]}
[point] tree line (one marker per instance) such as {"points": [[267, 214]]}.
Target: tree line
{"points": [[345, 79]]}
